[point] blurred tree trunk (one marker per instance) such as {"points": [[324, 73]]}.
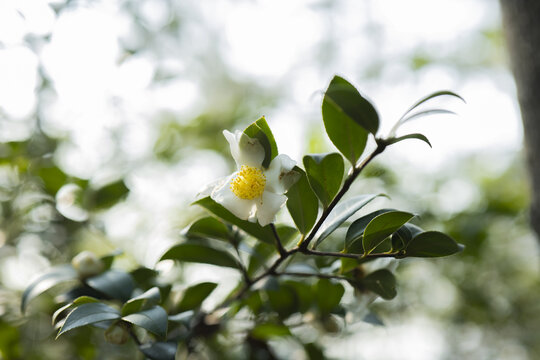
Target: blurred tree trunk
{"points": [[522, 28]]}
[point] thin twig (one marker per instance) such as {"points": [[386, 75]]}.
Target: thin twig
{"points": [[319, 275], [279, 244]]}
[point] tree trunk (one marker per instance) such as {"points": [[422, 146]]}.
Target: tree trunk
{"points": [[522, 28]]}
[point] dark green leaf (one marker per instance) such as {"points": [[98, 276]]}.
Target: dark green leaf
{"points": [[383, 226], [200, 253], [261, 253], [87, 314], [348, 100], [159, 350], [261, 131], [381, 282], [108, 259], [324, 173], [341, 213], [145, 300], [153, 319], [195, 295], [302, 203], [391, 141], [402, 237], [328, 295], [254, 229], [282, 299], [77, 302], [432, 244], [108, 195], [46, 281], [431, 96], [209, 227], [269, 330], [356, 230], [113, 283]]}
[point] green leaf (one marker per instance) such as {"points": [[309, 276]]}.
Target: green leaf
{"points": [[108, 259], [254, 229], [113, 283], [199, 253], [348, 118], [302, 203], [46, 281], [195, 295], [356, 230], [108, 195], [145, 300], [269, 330], [209, 227], [159, 350], [402, 237], [383, 226], [261, 131], [404, 117], [427, 112], [341, 213], [432, 244], [153, 319], [394, 140], [328, 295], [325, 174], [77, 302], [282, 299], [381, 282], [87, 314], [349, 101]]}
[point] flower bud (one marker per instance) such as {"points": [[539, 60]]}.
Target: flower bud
{"points": [[116, 334], [87, 264]]}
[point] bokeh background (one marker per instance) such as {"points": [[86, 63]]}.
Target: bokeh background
{"points": [[111, 115]]}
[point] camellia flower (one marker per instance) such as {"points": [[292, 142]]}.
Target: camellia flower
{"points": [[254, 193]]}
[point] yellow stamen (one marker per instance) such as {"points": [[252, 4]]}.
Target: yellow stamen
{"points": [[249, 183]]}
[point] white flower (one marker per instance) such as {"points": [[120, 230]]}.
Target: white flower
{"points": [[87, 264], [254, 193]]}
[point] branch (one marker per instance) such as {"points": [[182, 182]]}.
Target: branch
{"points": [[321, 276], [279, 244], [381, 145], [352, 256]]}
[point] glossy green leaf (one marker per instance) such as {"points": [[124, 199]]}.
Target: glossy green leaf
{"points": [[402, 237], [349, 101], [348, 118], [383, 226], [391, 141], [147, 299], [282, 299], [432, 244], [154, 320], [356, 230], [325, 174], [342, 212], [113, 283], [209, 227], [195, 295], [254, 229], [77, 302], [268, 331], [159, 350], [199, 253], [381, 282], [302, 203], [46, 281], [261, 131], [87, 314], [328, 295]]}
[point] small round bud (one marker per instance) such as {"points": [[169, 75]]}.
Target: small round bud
{"points": [[87, 264], [116, 334]]}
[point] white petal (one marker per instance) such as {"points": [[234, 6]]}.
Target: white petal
{"points": [[245, 150], [279, 177], [209, 188], [269, 206], [241, 208]]}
